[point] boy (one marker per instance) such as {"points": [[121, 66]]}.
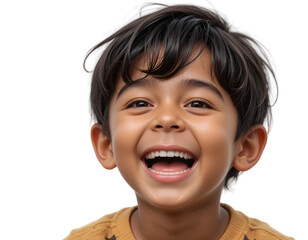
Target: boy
{"points": [[180, 102]]}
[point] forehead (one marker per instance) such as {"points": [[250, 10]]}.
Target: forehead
{"points": [[198, 67]]}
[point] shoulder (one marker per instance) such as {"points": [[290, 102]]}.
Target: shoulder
{"points": [[250, 228], [259, 228], [106, 227]]}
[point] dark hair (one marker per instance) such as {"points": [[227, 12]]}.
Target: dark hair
{"points": [[237, 61]]}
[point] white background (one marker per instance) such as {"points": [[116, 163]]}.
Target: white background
{"points": [[50, 180]]}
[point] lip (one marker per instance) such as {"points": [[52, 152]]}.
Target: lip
{"points": [[172, 177]]}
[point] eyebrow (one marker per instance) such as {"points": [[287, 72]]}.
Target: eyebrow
{"points": [[188, 83], [137, 83]]}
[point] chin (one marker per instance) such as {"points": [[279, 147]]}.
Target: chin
{"points": [[169, 199]]}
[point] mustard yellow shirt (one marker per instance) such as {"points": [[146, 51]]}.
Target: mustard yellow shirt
{"points": [[116, 226]]}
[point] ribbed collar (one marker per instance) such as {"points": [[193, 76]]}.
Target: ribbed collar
{"points": [[123, 229], [238, 225]]}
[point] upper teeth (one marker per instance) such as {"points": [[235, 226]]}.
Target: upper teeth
{"points": [[152, 155]]}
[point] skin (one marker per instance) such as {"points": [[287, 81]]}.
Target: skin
{"points": [[168, 113]]}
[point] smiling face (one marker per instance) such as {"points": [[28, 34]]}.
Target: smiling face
{"points": [[189, 118]]}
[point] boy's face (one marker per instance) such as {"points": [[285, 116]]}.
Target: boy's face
{"points": [[188, 113]]}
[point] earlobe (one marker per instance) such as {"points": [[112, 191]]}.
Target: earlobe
{"points": [[250, 148], [102, 147]]}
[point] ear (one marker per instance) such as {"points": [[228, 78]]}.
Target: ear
{"points": [[250, 148], [102, 147]]}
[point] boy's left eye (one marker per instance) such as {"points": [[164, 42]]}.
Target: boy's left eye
{"points": [[198, 104]]}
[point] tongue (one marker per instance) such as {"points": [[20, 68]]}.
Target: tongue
{"points": [[169, 167]]}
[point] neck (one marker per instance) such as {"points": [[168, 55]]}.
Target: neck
{"points": [[208, 221]]}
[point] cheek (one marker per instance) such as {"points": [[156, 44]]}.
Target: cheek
{"points": [[127, 130], [215, 134], [217, 145], [125, 135]]}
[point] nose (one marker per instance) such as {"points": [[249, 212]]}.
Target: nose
{"points": [[167, 121]]}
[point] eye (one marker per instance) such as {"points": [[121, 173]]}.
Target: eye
{"points": [[139, 104], [198, 104]]}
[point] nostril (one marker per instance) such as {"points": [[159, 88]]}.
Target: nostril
{"points": [[174, 126]]}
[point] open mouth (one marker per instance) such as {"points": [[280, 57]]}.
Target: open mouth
{"points": [[169, 162]]}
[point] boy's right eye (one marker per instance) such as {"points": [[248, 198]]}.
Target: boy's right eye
{"points": [[139, 104]]}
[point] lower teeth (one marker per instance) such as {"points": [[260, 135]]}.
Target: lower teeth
{"points": [[169, 173]]}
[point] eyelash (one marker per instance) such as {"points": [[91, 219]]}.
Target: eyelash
{"points": [[205, 104], [131, 105]]}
